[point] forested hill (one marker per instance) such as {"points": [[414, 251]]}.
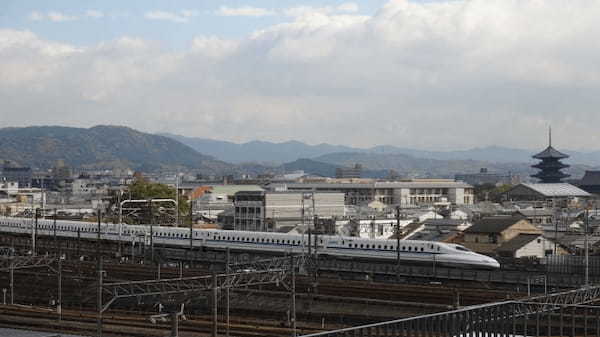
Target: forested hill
{"points": [[101, 147]]}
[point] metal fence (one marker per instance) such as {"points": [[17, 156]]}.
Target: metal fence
{"points": [[561, 314], [568, 264]]}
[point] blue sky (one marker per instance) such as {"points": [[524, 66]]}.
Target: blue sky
{"points": [[444, 74], [129, 18]]}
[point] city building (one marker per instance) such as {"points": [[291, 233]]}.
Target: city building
{"points": [[271, 210], [210, 200], [550, 195], [529, 245], [349, 172], [540, 217], [487, 234], [21, 175], [409, 193], [550, 165], [485, 177]]}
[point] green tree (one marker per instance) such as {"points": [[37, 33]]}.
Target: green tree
{"points": [[491, 192], [141, 189]]}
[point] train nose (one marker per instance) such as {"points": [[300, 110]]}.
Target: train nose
{"points": [[493, 263]]}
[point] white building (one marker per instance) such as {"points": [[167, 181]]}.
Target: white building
{"points": [[409, 193], [527, 245]]}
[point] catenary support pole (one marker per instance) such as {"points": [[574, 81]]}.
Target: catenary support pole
{"points": [[59, 303], [99, 299], [215, 299], [293, 270], [227, 292]]}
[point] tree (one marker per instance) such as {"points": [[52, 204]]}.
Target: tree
{"points": [[491, 192], [142, 189]]}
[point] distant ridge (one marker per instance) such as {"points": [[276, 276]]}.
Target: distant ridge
{"points": [[100, 147], [270, 152], [258, 151]]}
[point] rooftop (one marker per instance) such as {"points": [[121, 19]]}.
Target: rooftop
{"points": [[517, 242], [550, 153], [557, 190], [496, 224]]}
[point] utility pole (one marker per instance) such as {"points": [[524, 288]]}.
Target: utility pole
{"points": [[54, 231], [215, 299], [398, 234], [99, 235], [293, 267], [398, 243], [227, 271], [59, 304], [34, 233], [151, 217], [587, 253], [177, 200], [99, 299]]}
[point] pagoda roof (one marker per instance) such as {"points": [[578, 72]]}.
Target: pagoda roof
{"points": [[550, 152], [544, 165]]}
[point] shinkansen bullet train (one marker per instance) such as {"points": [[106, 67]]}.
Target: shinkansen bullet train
{"points": [[445, 254]]}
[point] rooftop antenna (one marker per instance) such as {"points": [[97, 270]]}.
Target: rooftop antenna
{"points": [[550, 135]]}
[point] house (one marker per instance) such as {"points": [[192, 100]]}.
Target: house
{"points": [[541, 217], [529, 245], [487, 234], [459, 215]]}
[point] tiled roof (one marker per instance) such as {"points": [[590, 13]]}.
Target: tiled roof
{"points": [[495, 224], [517, 242], [550, 152], [558, 190]]}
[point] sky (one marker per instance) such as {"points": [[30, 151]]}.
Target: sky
{"points": [[423, 74]]}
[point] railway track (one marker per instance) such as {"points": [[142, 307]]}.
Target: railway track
{"points": [[120, 324]]}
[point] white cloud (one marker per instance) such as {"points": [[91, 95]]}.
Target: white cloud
{"points": [[60, 17], [36, 16], [92, 13], [445, 74], [53, 16], [182, 16], [348, 7], [244, 11]]}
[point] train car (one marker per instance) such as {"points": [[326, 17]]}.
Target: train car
{"points": [[409, 251]]}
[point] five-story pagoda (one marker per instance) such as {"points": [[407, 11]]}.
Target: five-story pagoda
{"points": [[550, 166]]}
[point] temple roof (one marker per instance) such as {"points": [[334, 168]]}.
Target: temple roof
{"points": [[550, 152]]}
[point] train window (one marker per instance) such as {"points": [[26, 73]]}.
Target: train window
{"points": [[384, 247], [379, 247], [421, 248], [409, 248], [438, 248], [403, 248], [462, 249], [361, 245]]}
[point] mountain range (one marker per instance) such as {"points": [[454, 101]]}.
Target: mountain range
{"points": [[102, 147], [278, 153]]}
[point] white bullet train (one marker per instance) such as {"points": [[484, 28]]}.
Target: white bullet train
{"points": [[445, 254]]}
